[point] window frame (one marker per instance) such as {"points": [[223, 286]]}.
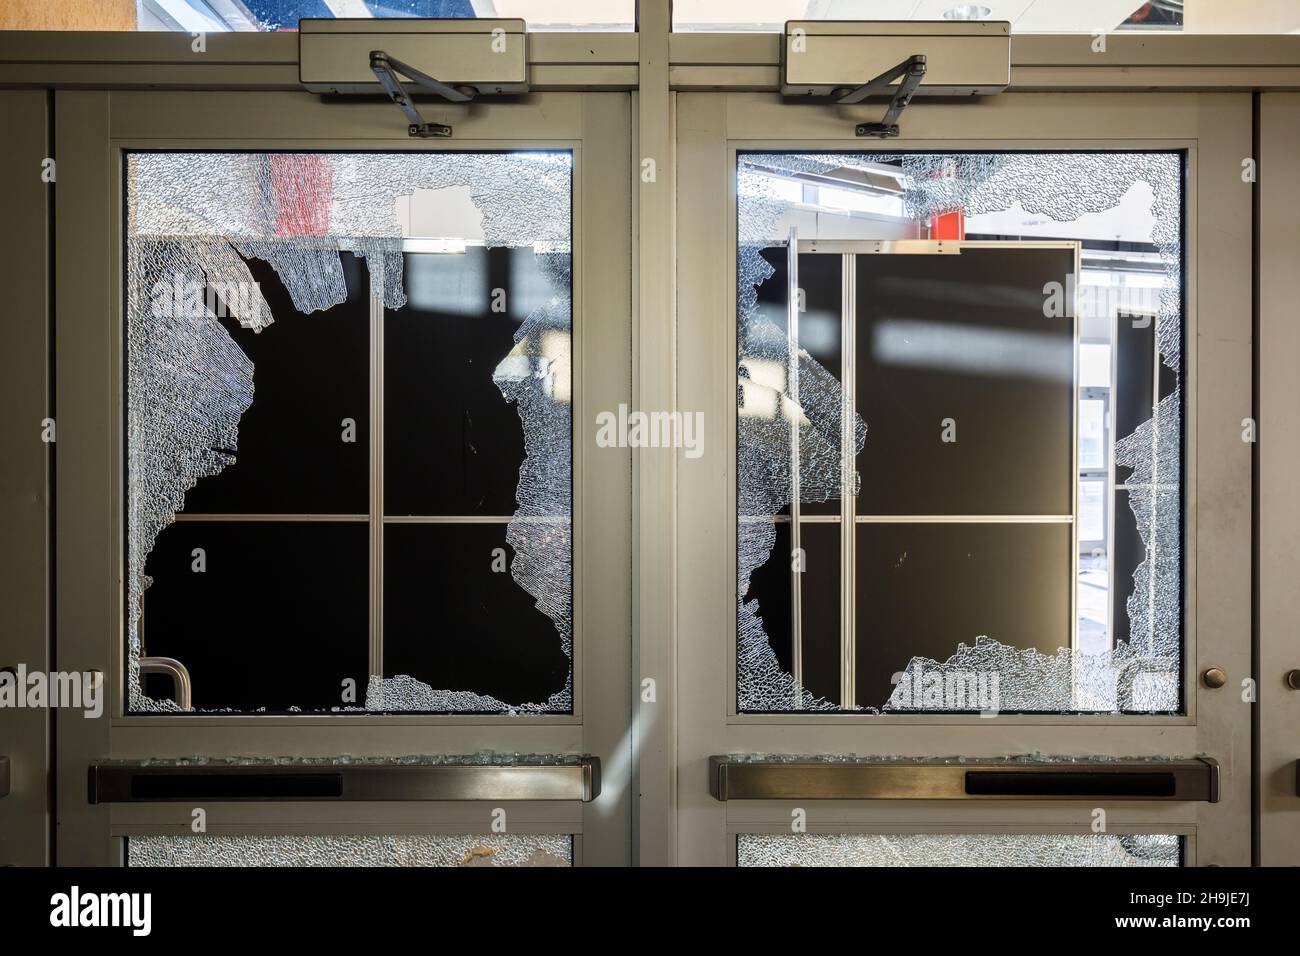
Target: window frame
{"points": [[1185, 152], [94, 127], [376, 518], [744, 124]]}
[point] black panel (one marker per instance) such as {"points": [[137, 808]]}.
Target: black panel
{"points": [[821, 278], [820, 600], [769, 584], [278, 619], [1134, 399], [922, 589], [1128, 553], [1098, 783], [452, 443], [237, 786], [964, 337], [310, 373], [454, 623]]}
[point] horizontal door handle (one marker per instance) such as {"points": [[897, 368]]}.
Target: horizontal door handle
{"points": [[1157, 785], [811, 778], [379, 779]]}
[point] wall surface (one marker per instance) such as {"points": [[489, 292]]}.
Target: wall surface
{"points": [[67, 15]]}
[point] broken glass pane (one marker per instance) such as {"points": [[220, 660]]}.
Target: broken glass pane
{"points": [[496, 849], [299, 633], [494, 620], [245, 268], [919, 585], [1125, 211], [963, 339], [291, 457], [816, 564], [958, 849], [461, 444]]}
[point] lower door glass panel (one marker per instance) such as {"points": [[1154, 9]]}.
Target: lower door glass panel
{"points": [[957, 849], [542, 849]]}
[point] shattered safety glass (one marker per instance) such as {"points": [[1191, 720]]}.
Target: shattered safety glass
{"points": [[914, 437], [348, 432]]}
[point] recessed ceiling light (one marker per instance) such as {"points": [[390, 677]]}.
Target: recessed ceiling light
{"points": [[967, 11]]}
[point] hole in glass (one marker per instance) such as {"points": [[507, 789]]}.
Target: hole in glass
{"points": [[1005, 435], [349, 372]]}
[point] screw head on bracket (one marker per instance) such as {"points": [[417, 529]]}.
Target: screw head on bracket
{"points": [[1214, 677]]}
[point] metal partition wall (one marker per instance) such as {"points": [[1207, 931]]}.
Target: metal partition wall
{"points": [[25, 505], [1278, 457]]}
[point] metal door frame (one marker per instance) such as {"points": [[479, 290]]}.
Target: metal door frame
{"points": [[653, 61], [1215, 129], [93, 129], [28, 474], [1277, 459]]}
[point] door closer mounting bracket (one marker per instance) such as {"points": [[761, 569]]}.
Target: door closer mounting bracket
{"points": [[911, 71], [823, 62], [386, 70]]}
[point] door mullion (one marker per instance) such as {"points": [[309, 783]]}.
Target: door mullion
{"points": [[797, 563], [376, 467], [848, 524]]}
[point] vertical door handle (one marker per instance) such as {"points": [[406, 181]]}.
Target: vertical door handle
{"points": [[173, 669]]}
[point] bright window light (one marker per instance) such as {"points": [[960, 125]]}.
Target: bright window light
{"points": [[1094, 365], [283, 15]]}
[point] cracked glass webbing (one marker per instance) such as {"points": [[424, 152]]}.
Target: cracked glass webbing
{"points": [[794, 422], [957, 849], [202, 228], [210, 850]]}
